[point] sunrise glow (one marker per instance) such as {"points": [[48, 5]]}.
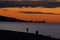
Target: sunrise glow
{"points": [[16, 13]]}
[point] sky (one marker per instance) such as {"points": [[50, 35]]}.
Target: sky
{"points": [[16, 13]]}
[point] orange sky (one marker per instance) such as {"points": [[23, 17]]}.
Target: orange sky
{"points": [[16, 13]]}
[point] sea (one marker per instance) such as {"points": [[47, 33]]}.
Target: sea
{"points": [[46, 29]]}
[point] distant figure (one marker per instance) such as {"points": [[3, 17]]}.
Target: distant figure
{"points": [[37, 32], [27, 29]]}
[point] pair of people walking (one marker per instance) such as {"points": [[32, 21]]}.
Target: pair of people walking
{"points": [[28, 30]]}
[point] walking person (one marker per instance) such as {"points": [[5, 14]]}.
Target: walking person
{"points": [[27, 29], [37, 32]]}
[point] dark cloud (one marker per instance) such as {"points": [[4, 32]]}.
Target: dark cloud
{"points": [[29, 0]]}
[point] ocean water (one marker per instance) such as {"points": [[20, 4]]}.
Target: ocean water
{"points": [[43, 28]]}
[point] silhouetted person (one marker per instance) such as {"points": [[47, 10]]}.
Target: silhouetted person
{"points": [[37, 32], [27, 29]]}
